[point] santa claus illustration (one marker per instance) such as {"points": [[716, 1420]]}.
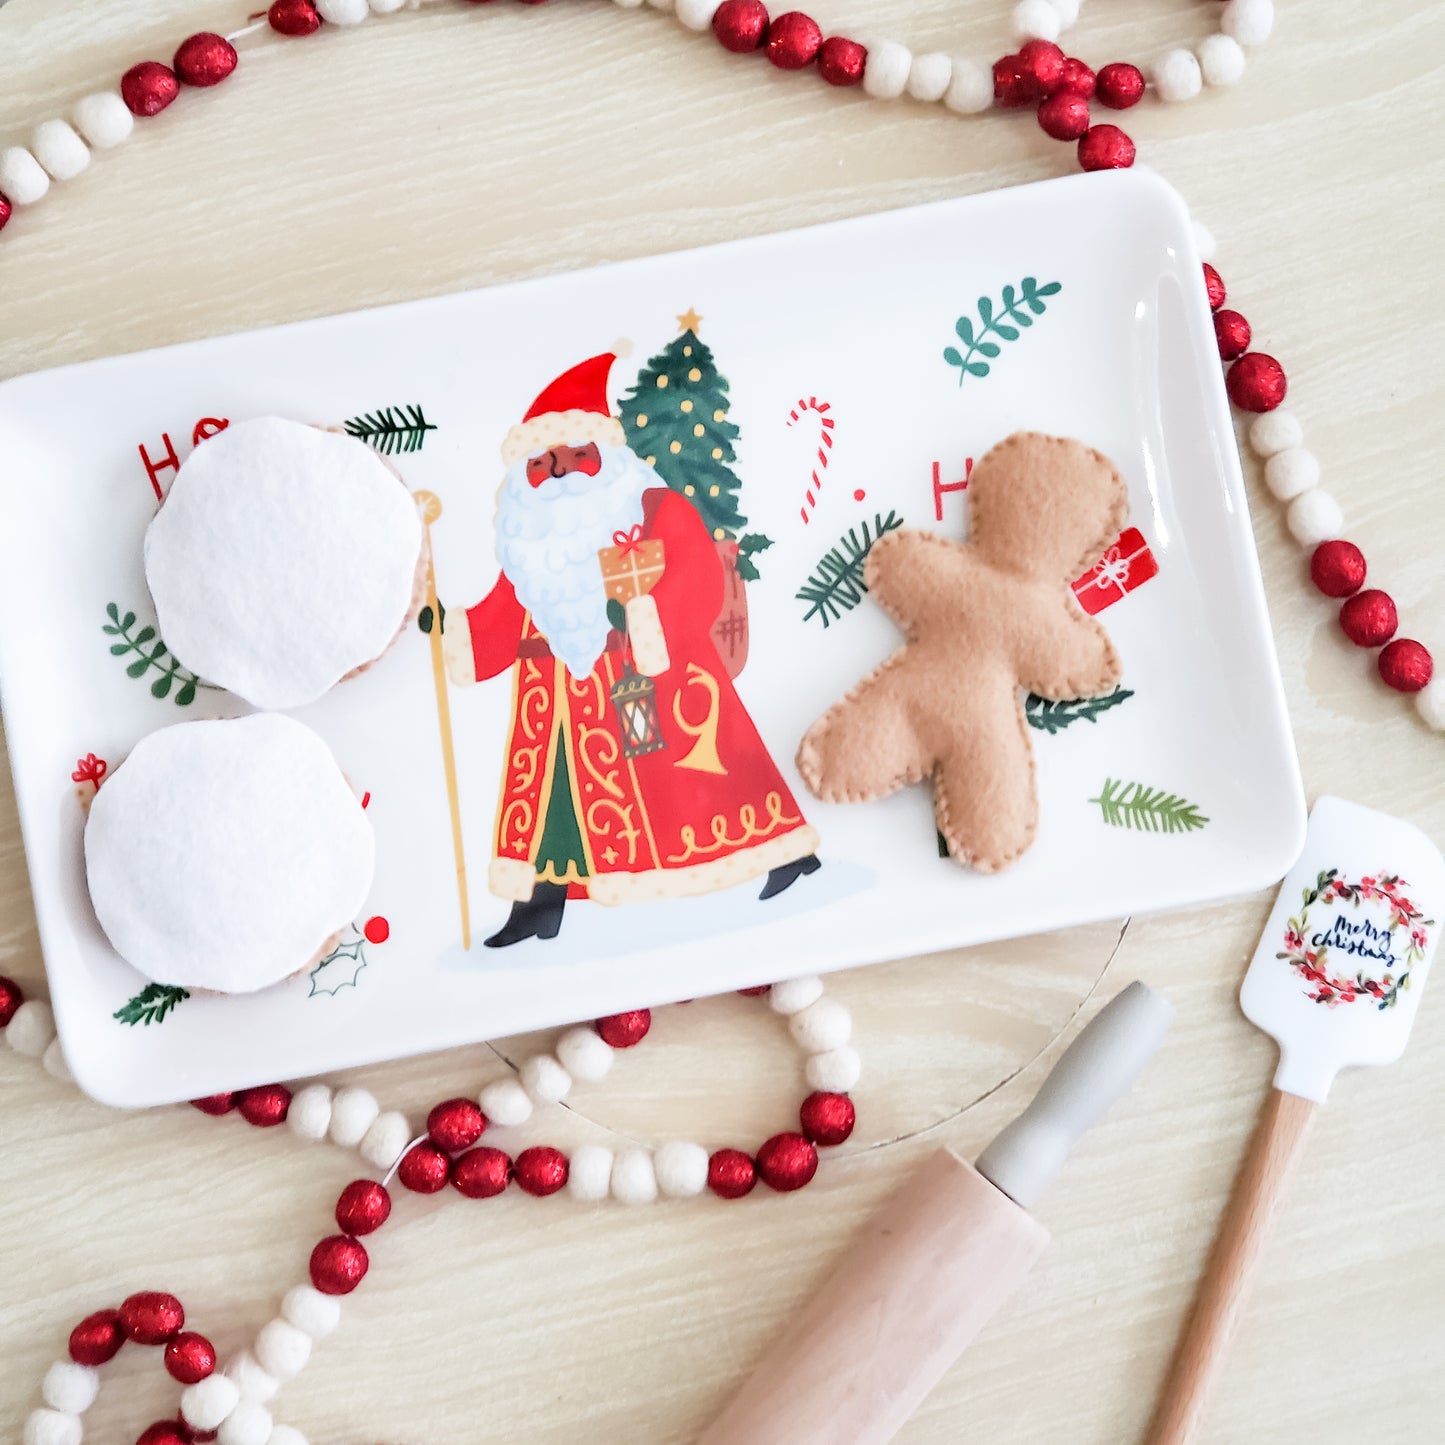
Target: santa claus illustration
{"points": [[632, 771]]}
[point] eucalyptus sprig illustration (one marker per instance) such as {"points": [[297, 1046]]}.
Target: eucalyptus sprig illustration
{"points": [[1015, 313], [150, 652]]}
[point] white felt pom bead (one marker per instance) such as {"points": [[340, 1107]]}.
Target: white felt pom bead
{"points": [[697, 14], [22, 177], [681, 1169], [634, 1180], [886, 74], [353, 1112], [1292, 471], [824, 1025], [1315, 517], [1036, 20], [205, 1404], [59, 148], [970, 89], [70, 1387], [53, 1427], [1250, 22], [506, 1103], [1273, 431], [32, 1027], [545, 1079], [253, 1382], [794, 994], [836, 1072], [248, 1424], [929, 76], [1430, 702], [589, 1173], [342, 12], [309, 1116], [386, 1139], [281, 1349], [286, 1435], [1204, 242], [1177, 76], [310, 1310], [585, 1054], [1221, 60], [53, 1061], [104, 119]]}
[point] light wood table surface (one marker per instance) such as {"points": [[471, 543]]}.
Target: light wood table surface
{"points": [[432, 152]]}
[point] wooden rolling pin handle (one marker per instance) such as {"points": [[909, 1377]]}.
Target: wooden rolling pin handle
{"points": [[1278, 1141]]}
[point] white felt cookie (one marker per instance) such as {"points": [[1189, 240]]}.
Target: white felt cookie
{"points": [[284, 558], [222, 855]]}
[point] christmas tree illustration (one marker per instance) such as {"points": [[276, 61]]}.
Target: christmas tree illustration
{"points": [[676, 416]]}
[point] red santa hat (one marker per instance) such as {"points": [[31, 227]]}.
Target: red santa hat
{"points": [[571, 410]]}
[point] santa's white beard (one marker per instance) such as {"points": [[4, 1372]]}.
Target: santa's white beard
{"points": [[548, 538]]}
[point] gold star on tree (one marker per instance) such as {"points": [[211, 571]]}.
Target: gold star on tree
{"points": [[689, 321]]}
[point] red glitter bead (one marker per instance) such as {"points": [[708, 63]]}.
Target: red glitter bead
{"points": [[1064, 115], [338, 1265], [294, 17], [827, 1119], [152, 1318], [541, 1170], [266, 1106], [1105, 148], [1369, 618], [5, 210], [455, 1125], [840, 61], [1231, 331], [424, 1169], [741, 25], [793, 40], [481, 1173], [1042, 63], [1079, 78], [1120, 85], [204, 60], [787, 1162], [1406, 664], [166, 1432], [11, 997], [377, 930], [97, 1338], [622, 1031], [215, 1104], [1213, 287], [1256, 382], [1013, 87], [364, 1206], [1338, 568], [731, 1174], [757, 992], [148, 88], [190, 1358]]}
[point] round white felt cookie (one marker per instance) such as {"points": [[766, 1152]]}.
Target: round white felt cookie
{"points": [[222, 855], [283, 558]]}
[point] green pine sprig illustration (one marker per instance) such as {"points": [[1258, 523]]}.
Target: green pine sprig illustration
{"points": [[1052, 717], [391, 430], [1148, 810], [151, 1005], [1016, 312], [836, 585], [150, 652], [749, 544]]}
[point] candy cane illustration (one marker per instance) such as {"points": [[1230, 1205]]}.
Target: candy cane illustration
{"points": [[825, 446]]}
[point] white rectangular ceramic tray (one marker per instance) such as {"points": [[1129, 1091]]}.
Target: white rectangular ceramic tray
{"points": [[856, 316]]}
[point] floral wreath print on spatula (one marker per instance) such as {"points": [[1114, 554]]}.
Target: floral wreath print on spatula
{"points": [[1015, 312], [642, 718]]}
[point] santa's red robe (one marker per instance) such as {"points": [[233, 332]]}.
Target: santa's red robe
{"points": [[707, 810]]}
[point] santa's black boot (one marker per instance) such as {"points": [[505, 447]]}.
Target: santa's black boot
{"points": [[539, 917], [781, 879]]}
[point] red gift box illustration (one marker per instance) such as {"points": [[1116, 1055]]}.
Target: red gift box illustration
{"points": [[1125, 566]]}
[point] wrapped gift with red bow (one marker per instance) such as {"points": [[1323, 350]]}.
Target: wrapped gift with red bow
{"points": [[1125, 566], [630, 566]]}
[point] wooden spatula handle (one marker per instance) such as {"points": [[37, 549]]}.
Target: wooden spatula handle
{"points": [[1278, 1140]]}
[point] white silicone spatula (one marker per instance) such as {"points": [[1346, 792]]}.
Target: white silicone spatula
{"points": [[1336, 979]]}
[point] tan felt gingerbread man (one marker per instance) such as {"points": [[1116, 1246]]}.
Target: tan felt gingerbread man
{"points": [[986, 620]]}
